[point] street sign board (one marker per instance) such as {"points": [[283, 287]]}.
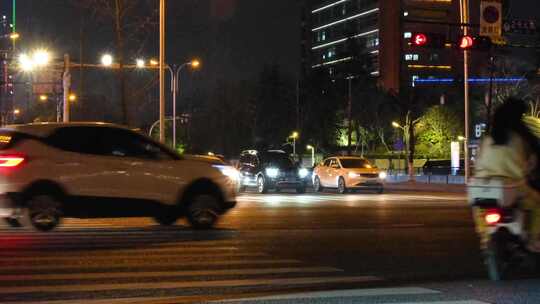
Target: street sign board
{"points": [[520, 26], [491, 19]]}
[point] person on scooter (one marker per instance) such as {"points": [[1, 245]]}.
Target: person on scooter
{"points": [[511, 150]]}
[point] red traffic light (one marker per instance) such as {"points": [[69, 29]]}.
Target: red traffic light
{"points": [[420, 39], [466, 42]]}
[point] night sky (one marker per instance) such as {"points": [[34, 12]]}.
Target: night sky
{"points": [[234, 38]]}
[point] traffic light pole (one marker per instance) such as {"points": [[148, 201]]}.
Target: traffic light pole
{"points": [[465, 19]]}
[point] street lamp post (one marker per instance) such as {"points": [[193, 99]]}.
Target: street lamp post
{"points": [[294, 136], [312, 148], [175, 86]]}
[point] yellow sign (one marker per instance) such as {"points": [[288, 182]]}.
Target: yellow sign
{"points": [[491, 19]]}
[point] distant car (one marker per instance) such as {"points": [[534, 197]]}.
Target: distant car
{"points": [[89, 170], [272, 169], [348, 173]]}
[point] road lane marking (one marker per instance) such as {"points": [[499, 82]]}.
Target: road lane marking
{"points": [[446, 302], [12, 268], [15, 252], [182, 273], [188, 284], [343, 293], [126, 257]]}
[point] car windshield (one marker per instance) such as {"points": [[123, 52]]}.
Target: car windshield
{"points": [[280, 160], [355, 163]]}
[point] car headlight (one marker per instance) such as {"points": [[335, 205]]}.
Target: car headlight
{"points": [[229, 171], [353, 175], [272, 172], [303, 172], [383, 175]]}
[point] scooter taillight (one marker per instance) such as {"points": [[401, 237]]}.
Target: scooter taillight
{"points": [[493, 217]]}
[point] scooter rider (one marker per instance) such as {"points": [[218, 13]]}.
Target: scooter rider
{"points": [[511, 151]]}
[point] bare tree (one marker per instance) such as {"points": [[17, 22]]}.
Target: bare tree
{"points": [[132, 22]]}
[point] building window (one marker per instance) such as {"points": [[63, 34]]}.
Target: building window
{"points": [[434, 57], [331, 53]]}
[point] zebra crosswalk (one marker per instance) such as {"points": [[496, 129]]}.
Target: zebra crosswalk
{"points": [[147, 266], [90, 262]]}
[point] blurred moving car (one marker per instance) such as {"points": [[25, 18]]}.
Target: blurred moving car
{"points": [[348, 173], [272, 169], [88, 170]]}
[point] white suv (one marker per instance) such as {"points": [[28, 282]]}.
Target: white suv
{"points": [[90, 170]]}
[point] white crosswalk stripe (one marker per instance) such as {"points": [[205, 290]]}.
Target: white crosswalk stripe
{"points": [[118, 267], [369, 295]]}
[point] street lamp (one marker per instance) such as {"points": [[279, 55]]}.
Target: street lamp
{"points": [[26, 63], [14, 36], [140, 63], [396, 125], [194, 64], [294, 136], [41, 57], [107, 60], [16, 111], [312, 148], [72, 97], [43, 97]]}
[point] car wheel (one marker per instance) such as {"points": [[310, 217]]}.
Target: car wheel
{"points": [[301, 190], [167, 216], [317, 185], [261, 185], [43, 212], [342, 188], [203, 211], [12, 222]]}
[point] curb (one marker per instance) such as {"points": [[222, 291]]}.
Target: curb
{"points": [[422, 187]]}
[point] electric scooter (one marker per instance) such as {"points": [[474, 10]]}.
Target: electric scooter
{"points": [[502, 224]]}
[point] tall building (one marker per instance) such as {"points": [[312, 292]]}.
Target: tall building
{"points": [[335, 31]]}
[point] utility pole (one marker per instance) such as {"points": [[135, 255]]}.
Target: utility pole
{"points": [[465, 20], [490, 92], [162, 71], [66, 82]]}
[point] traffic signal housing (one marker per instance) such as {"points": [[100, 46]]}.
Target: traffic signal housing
{"points": [[428, 40], [479, 43]]}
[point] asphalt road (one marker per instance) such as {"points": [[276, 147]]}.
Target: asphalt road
{"points": [[274, 248]]}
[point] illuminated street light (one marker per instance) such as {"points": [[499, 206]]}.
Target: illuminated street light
{"points": [[26, 63], [41, 57], [195, 63], [140, 63], [312, 148], [14, 36], [294, 136], [43, 97], [16, 111], [107, 60], [461, 138], [396, 125], [154, 62], [72, 97]]}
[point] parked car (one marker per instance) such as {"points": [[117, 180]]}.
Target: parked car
{"points": [[348, 173], [272, 169], [88, 170]]}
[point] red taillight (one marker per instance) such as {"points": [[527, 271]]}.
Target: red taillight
{"points": [[10, 161], [492, 217]]}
